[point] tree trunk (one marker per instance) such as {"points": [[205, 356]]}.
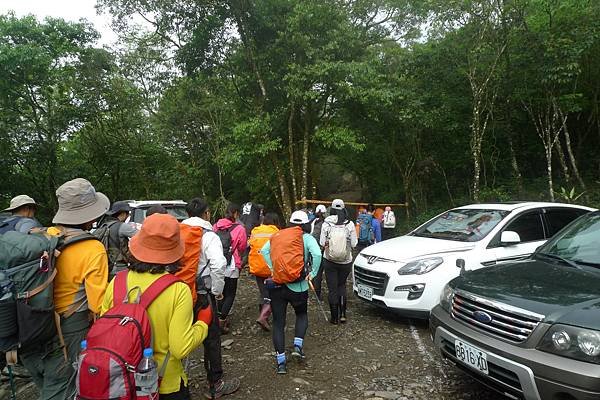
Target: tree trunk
{"points": [[286, 206], [291, 150], [305, 151], [515, 165], [571, 155], [549, 172], [563, 162]]}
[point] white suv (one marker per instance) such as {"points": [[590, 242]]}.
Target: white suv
{"points": [[407, 273]]}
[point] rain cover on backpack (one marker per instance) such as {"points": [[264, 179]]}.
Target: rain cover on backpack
{"points": [[287, 255]]}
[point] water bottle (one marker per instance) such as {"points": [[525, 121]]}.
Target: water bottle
{"points": [[82, 347], [146, 376]]}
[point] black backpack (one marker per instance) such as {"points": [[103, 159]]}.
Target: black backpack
{"points": [[225, 236], [116, 249], [27, 272]]}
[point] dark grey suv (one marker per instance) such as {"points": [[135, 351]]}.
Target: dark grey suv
{"points": [[530, 329]]}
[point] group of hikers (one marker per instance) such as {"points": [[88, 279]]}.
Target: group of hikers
{"points": [[95, 307]]}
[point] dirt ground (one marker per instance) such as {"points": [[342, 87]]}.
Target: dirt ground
{"points": [[376, 355]]}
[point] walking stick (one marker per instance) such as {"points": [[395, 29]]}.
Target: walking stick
{"points": [[310, 284], [11, 379]]}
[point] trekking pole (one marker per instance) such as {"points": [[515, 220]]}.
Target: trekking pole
{"points": [[11, 379], [310, 284]]}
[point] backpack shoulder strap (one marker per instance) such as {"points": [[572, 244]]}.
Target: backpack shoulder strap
{"points": [[120, 287], [73, 237], [157, 287]]}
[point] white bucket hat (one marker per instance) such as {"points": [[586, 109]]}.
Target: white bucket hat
{"points": [[20, 201], [78, 203]]}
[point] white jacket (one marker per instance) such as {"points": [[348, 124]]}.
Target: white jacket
{"points": [[212, 261], [351, 231]]}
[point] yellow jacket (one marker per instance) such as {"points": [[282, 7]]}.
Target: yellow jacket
{"points": [[82, 275], [173, 329]]}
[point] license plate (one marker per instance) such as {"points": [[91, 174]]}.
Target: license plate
{"points": [[471, 356], [365, 292]]}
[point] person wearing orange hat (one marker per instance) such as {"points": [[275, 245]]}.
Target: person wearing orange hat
{"points": [[155, 251]]}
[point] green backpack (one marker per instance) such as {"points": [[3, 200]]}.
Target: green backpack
{"points": [[27, 272]]}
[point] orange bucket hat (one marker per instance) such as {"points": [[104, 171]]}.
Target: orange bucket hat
{"points": [[158, 241]]}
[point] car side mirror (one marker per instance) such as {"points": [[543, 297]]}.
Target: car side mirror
{"points": [[509, 238], [460, 263]]}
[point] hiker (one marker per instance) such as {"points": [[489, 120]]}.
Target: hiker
{"points": [[338, 238], [203, 269], [234, 240], [376, 223], [315, 230], [22, 219], [389, 223], [259, 268], [176, 329], [287, 254], [79, 285], [156, 209], [119, 234], [250, 217]]}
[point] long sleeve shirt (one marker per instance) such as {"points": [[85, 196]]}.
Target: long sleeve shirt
{"points": [[173, 329], [212, 263], [312, 253], [82, 275]]}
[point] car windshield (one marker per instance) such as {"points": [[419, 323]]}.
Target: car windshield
{"points": [[176, 210], [577, 243], [464, 225]]}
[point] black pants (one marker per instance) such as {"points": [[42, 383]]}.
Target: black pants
{"points": [[212, 348], [318, 281], [263, 293], [387, 233], [336, 275], [229, 292], [280, 298], [182, 394]]}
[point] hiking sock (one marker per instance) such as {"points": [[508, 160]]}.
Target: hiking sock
{"points": [[280, 358], [298, 342]]}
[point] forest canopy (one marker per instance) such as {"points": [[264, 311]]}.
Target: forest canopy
{"points": [[432, 102]]}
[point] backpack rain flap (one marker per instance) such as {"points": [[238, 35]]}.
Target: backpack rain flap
{"points": [[287, 255]]}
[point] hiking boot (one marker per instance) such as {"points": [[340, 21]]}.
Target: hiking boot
{"points": [[298, 353], [334, 310], [222, 388], [342, 309], [263, 319], [224, 326], [281, 369]]}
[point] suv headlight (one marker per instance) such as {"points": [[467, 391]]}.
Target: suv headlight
{"points": [[572, 342], [446, 297], [420, 267]]}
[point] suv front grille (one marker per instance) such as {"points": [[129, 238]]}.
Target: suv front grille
{"points": [[377, 280], [507, 322]]}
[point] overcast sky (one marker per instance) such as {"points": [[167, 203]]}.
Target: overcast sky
{"points": [[70, 10]]}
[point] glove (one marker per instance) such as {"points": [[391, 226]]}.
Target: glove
{"points": [[205, 315]]}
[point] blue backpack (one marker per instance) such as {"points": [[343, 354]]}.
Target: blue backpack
{"points": [[366, 234], [9, 224]]}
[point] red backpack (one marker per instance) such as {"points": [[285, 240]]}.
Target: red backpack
{"points": [[115, 344]]}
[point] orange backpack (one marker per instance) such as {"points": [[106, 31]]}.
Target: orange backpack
{"points": [[287, 255], [259, 236], [191, 236]]}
